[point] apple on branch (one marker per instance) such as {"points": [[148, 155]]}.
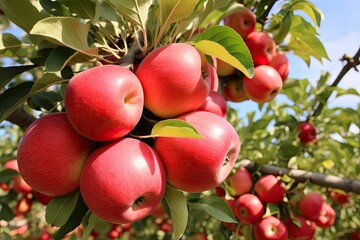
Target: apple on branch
{"points": [[248, 208], [270, 189], [243, 22], [240, 182], [270, 228], [261, 46]]}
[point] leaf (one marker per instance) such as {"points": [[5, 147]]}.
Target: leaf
{"points": [[224, 43], [174, 128], [58, 58], [172, 11], [177, 204], [215, 207], [55, 7], [310, 9], [280, 33], [7, 174], [9, 73], [89, 226], [85, 8], [6, 212], [22, 13], [60, 208], [271, 209], [65, 31], [9, 44]]}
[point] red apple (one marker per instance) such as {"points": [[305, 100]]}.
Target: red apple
{"points": [[105, 102], [224, 69], [214, 103], [123, 181], [311, 205], [327, 217], [261, 46], [264, 86], [172, 79], [270, 228], [300, 228], [248, 208], [42, 198], [233, 91], [20, 186], [51, 155], [45, 235], [199, 236], [340, 197], [240, 182], [354, 235], [270, 189], [243, 22], [281, 64], [200, 164], [23, 206], [307, 133]]}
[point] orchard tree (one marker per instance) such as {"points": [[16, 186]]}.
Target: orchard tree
{"points": [[119, 121]]}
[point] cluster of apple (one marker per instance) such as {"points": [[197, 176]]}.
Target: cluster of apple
{"points": [[100, 143], [271, 67], [249, 200]]}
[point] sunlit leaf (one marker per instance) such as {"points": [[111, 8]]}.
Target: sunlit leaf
{"points": [[175, 10], [55, 8], [310, 9], [174, 128], [85, 8], [9, 44]]}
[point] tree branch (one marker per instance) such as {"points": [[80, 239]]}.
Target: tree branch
{"points": [[128, 59], [263, 17], [348, 185]]}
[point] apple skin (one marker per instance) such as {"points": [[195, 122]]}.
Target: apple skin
{"points": [[214, 103], [123, 181], [270, 228], [311, 205], [42, 198], [171, 77], [281, 64], [264, 86], [354, 235], [261, 46], [243, 22], [306, 231], [327, 217], [104, 103], [248, 208], [195, 157], [340, 197], [307, 133], [224, 69], [20, 186], [270, 189], [51, 155], [233, 91], [240, 182]]}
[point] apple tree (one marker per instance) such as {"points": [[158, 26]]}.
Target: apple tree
{"points": [[120, 120]]}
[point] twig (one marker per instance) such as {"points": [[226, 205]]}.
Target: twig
{"points": [[128, 59], [261, 19]]}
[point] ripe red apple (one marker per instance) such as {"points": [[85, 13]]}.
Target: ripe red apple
{"points": [[19, 186], [233, 91], [240, 182], [105, 102], [307, 133], [123, 181], [327, 217], [214, 103], [51, 155], [224, 69], [248, 208], [200, 164], [45, 235], [264, 86], [42, 198], [243, 22], [311, 205], [270, 228], [340, 197], [261, 46], [172, 79], [354, 235], [281, 64], [306, 230], [270, 189]]}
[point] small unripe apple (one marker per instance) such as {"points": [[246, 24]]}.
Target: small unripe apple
{"points": [[51, 155], [281, 64], [172, 80], [270, 189], [311, 205], [248, 208], [307, 133], [123, 181], [270, 228], [327, 217], [233, 91], [261, 46], [19, 186], [303, 230], [104, 103], [200, 164], [243, 22], [264, 86], [214, 103], [240, 182]]}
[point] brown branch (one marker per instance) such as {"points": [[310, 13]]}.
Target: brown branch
{"points": [[263, 17], [128, 59], [348, 185]]}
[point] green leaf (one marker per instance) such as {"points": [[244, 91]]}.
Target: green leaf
{"points": [[9, 73], [9, 44], [177, 204], [60, 208], [44, 100], [172, 11], [55, 8], [281, 32], [6, 212], [89, 226], [85, 8], [215, 207], [224, 43], [7, 174], [310, 9], [174, 128], [22, 13], [271, 209], [58, 58]]}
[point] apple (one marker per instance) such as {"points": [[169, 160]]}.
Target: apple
{"points": [[340, 197], [209, 71], [200, 164], [264, 86], [327, 217], [307, 133], [311, 205], [20, 186], [224, 69], [172, 80], [104, 103], [220, 192], [300, 228], [270, 228], [42, 198], [261, 46], [214, 103], [199, 236], [281, 64], [248, 208], [123, 181], [240, 182], [243, 22], [270, 189], [45, 235], [354, 235], [114, 232], [233, 91], [23, 206], [51, 155]]}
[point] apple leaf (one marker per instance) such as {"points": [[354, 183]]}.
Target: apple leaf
{"points": [[6, 213], [9, 73], [271, 209], [172, 11], [85, 8], [7, 174], [309, 8], [215, 207], [55, 8], [177, 204], [224, 43], [91, 222], [174, 128], [9, 44], [58, 58]]}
